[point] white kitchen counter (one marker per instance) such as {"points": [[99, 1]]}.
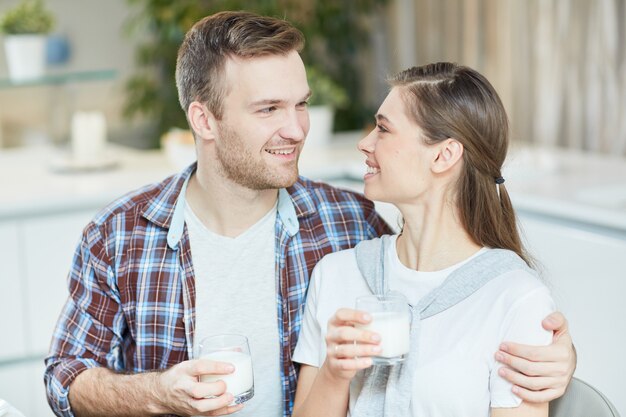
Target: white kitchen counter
{"points": [[31, 187], [573, 185], [586, 188]]}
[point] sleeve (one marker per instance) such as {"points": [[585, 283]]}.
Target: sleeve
{"points": [[310, 349], [522, 324], [88, 332]]}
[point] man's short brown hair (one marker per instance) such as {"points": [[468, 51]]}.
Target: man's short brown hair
{"points": [[210, 42]]}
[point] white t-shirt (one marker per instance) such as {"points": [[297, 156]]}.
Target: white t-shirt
{"points": [[456, 373], [235, 282]]}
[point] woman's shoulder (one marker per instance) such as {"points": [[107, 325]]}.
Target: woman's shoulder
{"points": [[338, 273], [347, 258], [337, 259], [519, 281]]}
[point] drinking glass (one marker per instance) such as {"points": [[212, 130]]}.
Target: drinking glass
{"points": [[391, 319], [234, 349]]}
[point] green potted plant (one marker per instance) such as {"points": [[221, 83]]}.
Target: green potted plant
{"points": [[326, 98], [335, 31], [25, 28]]}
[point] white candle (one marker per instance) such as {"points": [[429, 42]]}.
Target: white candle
{"points": [[394, 329], [88, 136], [241, 380]]}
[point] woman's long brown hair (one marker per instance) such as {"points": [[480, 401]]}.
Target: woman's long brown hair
{"points": [[452, 101]]}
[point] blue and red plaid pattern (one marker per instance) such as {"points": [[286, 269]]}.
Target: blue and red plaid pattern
{"points": [[131, 304]]}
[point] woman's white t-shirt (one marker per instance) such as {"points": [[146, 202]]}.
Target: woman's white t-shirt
{"points": [[456, 374]]}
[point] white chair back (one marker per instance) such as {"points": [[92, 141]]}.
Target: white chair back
{"points": [[582, 400]]}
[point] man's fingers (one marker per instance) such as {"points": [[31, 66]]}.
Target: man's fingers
{"points": [[530, 383], [226, 410], [197, 367], [556, 352], [537, 396], [540, 373], [203, 390], [533, 389], [209, 406], [555, 322], [533, 368]]}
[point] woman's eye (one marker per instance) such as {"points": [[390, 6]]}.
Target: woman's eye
{"points": [[381, 128]]}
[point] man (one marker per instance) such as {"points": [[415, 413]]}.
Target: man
{"points": [[167, 265]]}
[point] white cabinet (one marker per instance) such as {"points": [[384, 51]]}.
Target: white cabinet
{"points": [[12, 325], [586, 270], [49, 243], [22, 386], [35, 258]]}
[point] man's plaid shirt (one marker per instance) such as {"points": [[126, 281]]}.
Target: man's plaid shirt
{"points": [[132, 295]]}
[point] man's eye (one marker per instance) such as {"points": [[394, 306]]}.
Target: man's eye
{"points": [[268, 110], [303, 104], [381, 128]]}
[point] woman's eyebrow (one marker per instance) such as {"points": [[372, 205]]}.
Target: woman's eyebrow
{"points": [[381, 117]]}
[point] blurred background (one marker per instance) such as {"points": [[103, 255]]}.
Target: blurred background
{"points": [[93, 113]]}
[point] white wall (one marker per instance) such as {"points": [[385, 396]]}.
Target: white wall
{"points": [[586, 269], [94, 29]]}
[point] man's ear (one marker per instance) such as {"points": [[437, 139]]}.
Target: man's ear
{"points": [[202, 121], [449, 153]]}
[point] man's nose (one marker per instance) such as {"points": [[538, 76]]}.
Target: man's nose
{"points": [[296, 125]]}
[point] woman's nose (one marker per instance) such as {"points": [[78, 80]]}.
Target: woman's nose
{"points": [[368, 143]]}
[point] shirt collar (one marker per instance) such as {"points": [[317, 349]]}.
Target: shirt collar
{"points": [[287, 212], [160, 209], [168, 208], [302, 198]]}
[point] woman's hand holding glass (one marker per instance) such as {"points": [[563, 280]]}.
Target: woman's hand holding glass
{"points": [[349, 349]]}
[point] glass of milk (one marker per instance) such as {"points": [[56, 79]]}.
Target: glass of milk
{"points": [[234, 349], [391, 319]]}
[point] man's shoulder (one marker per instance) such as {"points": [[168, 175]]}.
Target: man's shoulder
{"points": [[136, 202], [342, 212]]}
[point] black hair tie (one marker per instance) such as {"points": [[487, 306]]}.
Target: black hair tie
{"points": [[499, 180]]}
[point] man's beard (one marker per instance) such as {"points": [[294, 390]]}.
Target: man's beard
{"points": [[237, 163]]}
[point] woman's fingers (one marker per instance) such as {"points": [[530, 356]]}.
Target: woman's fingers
{"points": [[348, 347], [347, 334], [346, 341], [354, 364], [345, 316], [353, 350]]}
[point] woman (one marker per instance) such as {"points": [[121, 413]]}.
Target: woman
{"points": [[436, 153]]}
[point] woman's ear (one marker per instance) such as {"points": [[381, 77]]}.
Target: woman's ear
{"points": [[450, 151], [202, 121]]}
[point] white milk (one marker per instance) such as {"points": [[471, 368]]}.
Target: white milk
{"points": [[241, 380], [393, 328]]}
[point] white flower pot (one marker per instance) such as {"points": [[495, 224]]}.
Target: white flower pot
{"points": [[321, 130], [26, 56]]}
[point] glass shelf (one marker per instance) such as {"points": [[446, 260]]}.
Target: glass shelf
{"points": [[60, 78]]}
